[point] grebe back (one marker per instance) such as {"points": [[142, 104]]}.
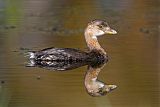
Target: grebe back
{"points": [[96, 52]]}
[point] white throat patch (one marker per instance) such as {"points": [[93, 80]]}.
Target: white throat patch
{"points": [[98, 33], [94, 37]]}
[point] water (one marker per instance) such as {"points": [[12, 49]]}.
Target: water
{"points": [[36, 24]]}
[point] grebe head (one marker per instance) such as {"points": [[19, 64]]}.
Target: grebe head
{"points": [[100, 27], [100, 89]]}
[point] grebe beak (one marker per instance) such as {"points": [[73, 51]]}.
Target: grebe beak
{"points": [[110, 31], [110, 87]]}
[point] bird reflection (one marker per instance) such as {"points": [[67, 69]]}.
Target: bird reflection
{"points": [[94, 87]]}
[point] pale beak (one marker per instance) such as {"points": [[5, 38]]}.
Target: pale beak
{"points": [[110, 31], [110, 87]]}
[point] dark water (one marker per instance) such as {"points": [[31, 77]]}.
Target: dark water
{"points": [[35, 24]]}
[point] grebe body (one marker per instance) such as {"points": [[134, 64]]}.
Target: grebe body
{"points": [[66, 54], [96, 52]]}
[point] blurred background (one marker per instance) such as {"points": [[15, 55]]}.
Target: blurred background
{"points": [[134, 53]]}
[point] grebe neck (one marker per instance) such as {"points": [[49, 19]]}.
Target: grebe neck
{"points": [[92, 42]]}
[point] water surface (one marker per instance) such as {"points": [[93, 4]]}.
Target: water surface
{"points": [[36, 24]]}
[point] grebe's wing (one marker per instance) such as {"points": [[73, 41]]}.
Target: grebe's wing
{"points": [[59, 54]]}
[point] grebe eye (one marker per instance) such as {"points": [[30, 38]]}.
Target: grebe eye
{"points": [[100, 26]]}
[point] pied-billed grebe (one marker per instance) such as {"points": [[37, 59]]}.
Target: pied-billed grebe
{"points": [[95, 28]]}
